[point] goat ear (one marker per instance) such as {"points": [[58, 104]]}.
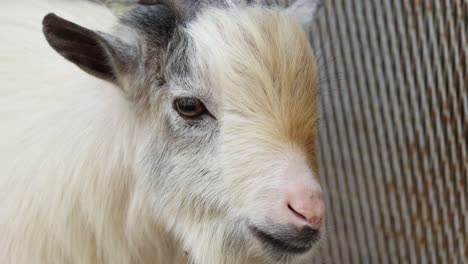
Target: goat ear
{"points": [[305, 11], [97, 53]]}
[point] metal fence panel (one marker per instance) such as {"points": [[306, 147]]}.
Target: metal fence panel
{"points": [[395, 129]]}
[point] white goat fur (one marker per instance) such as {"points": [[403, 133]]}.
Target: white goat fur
{"points": [[68, 144]]}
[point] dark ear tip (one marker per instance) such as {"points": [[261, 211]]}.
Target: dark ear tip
{"points": [[49, 19]]}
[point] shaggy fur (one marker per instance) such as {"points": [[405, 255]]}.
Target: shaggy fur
{"points": [[105, 171]]}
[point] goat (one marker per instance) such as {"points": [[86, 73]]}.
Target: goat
{"points": [[182, 132]]}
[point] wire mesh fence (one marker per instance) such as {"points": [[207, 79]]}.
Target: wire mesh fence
{"points": [[395, 128]]}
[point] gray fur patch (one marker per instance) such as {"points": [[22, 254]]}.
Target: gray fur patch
{"points": [[156, 23]]}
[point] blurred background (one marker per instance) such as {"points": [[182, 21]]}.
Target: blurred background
{"points": [[394, 139], [395, 130]]}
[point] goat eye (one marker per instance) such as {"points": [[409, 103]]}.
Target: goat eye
{"points": [[189, 107]]}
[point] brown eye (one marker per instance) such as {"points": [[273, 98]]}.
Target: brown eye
{"points": [[189, 107]]}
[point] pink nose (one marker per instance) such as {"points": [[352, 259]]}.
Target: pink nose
{"points": [[306, 208]]}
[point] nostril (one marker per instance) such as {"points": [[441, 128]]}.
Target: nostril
{"points": [[297, 213], [311, 213]]}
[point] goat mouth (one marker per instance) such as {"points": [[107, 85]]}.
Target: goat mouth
{"points": [[276, 244]]}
